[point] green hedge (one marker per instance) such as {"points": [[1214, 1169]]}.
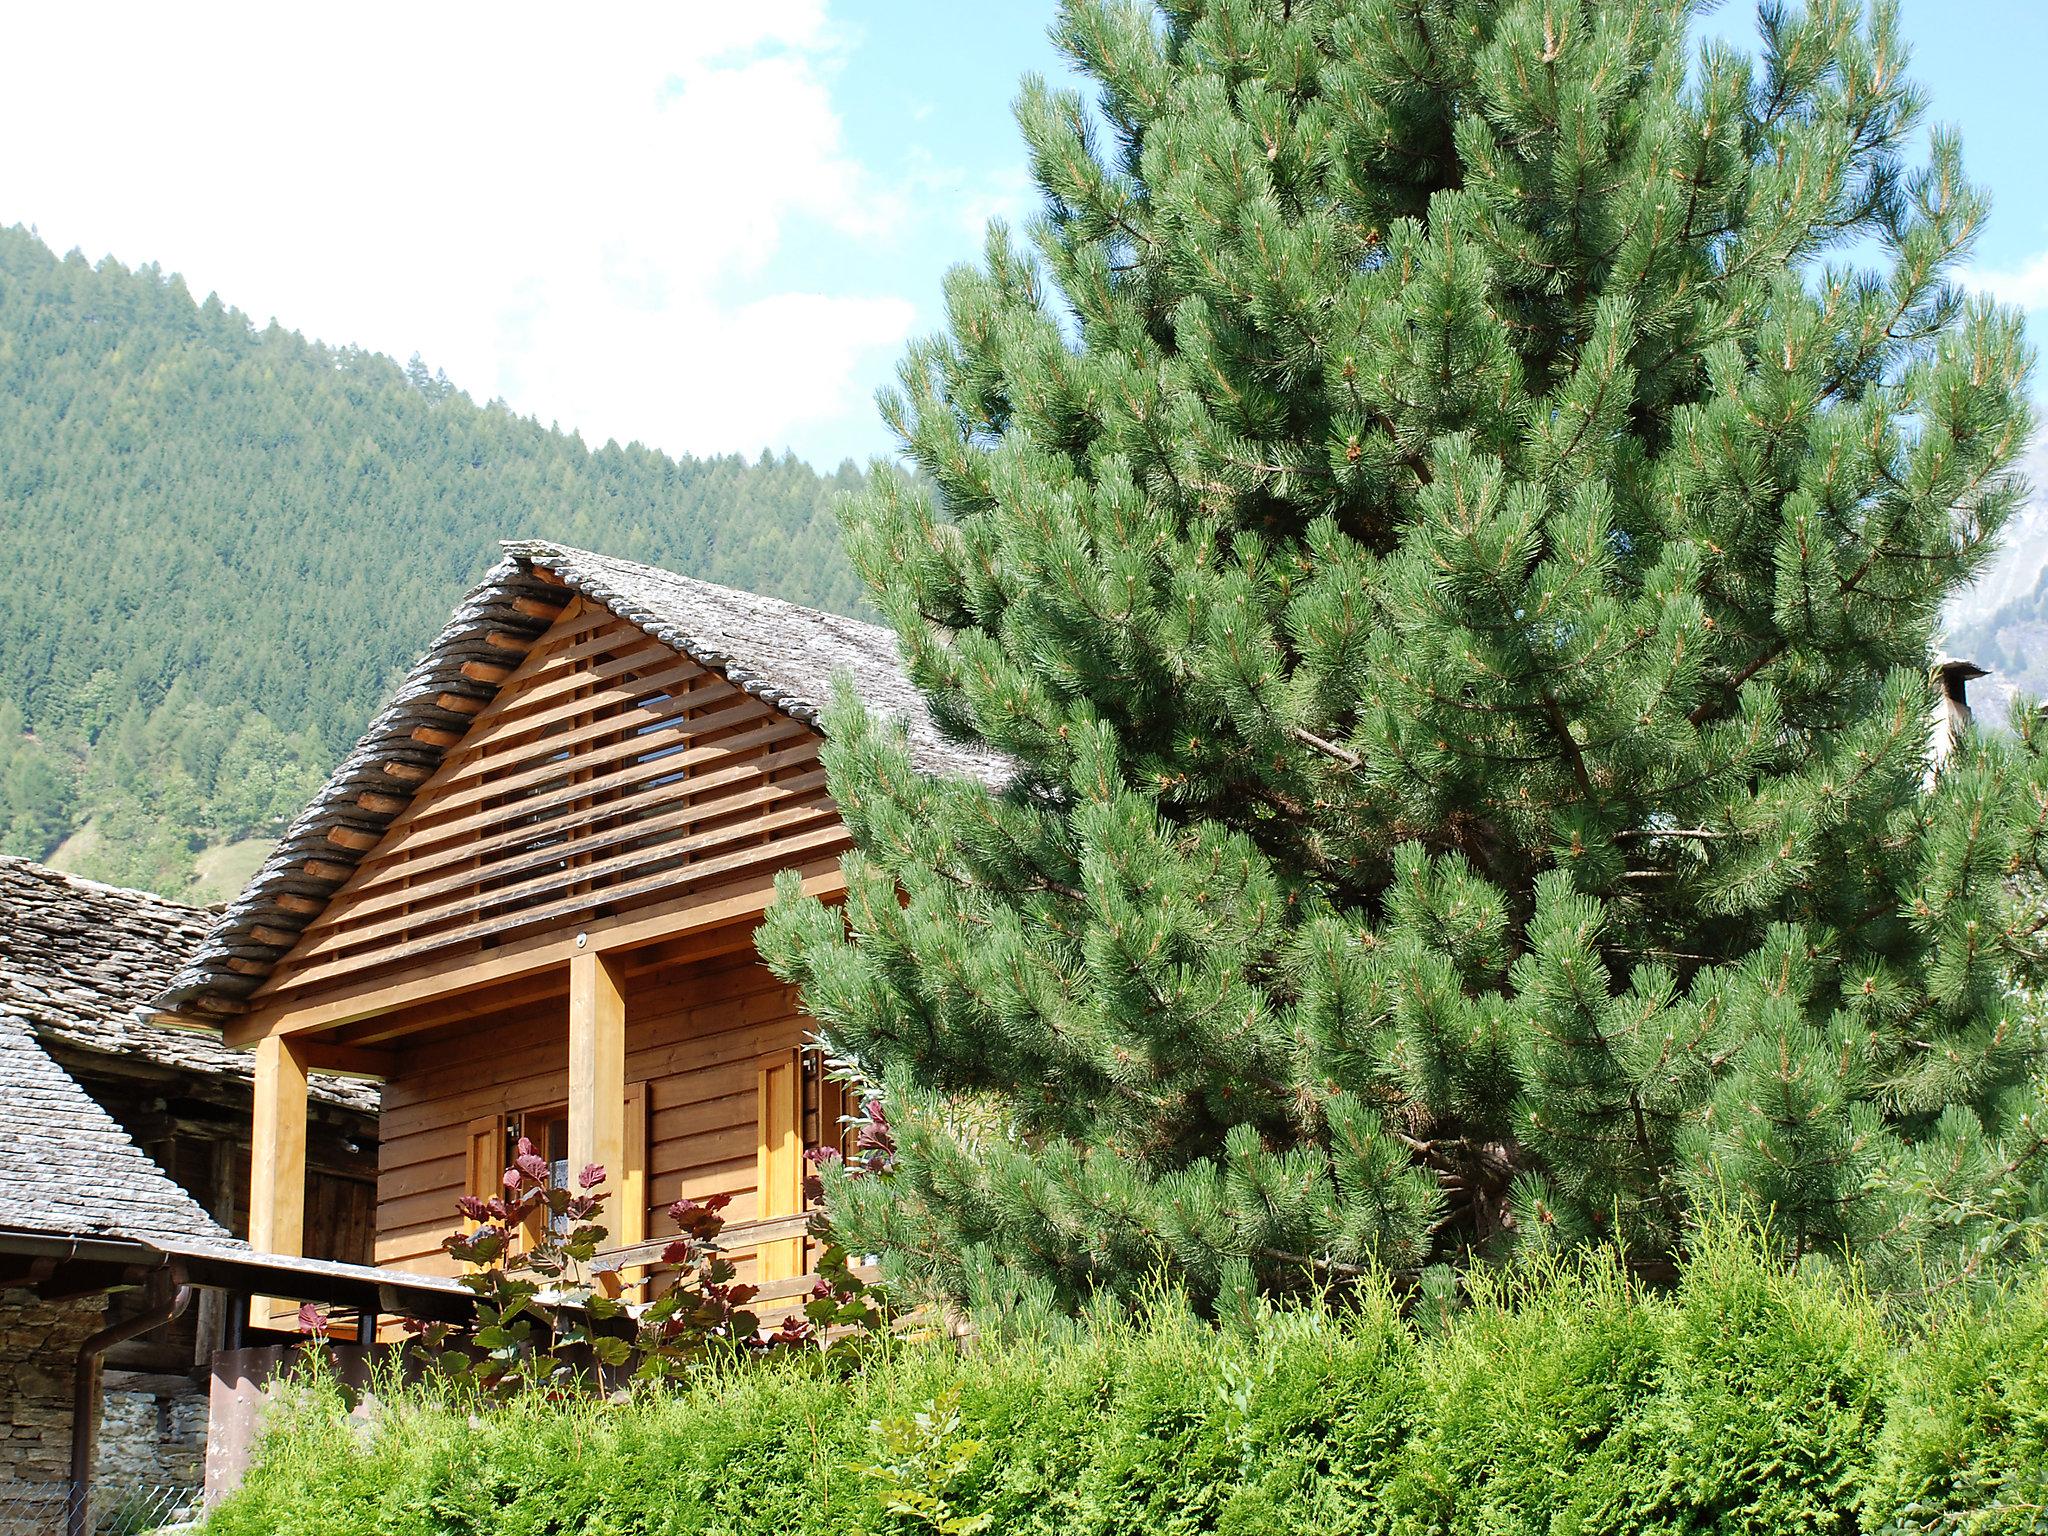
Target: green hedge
{"points": [[1750, 1400]]}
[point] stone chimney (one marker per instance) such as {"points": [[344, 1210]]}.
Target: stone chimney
{"points": [[1951, 712]]}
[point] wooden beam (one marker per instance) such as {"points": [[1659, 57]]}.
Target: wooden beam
{"points": [[277, 1157], [348, 1060], [597, 1067], [359, 839], [435, 738], [291, 901], [323, 869], [453, 975], [485, 672], [388, 1029], [382, 805], [406, 773], [534, 608], [459, 703], [277, 1148], [509, 640], [277, 938]]}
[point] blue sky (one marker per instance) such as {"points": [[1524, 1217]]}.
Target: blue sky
{"points": [[709, 227]]}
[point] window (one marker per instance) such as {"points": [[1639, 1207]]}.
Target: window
{"points": [[547, 1129]]}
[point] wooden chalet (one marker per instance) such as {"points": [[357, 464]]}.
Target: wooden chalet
{"points": [[525, 903]]}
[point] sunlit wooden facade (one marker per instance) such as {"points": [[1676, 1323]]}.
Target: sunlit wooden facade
{"points": [[525, 905]]}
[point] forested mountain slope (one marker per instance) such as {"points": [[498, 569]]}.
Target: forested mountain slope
{"points": [[221, 545]]}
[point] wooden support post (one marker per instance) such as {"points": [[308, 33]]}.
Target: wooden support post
{"points": [[781, 1161], [277, 1158], [597, 1067]]}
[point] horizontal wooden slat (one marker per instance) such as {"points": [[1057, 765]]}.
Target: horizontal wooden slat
{"points": [[549, 675], [736, 1235], [434, 825], [429, 850], [512, 744], [680, 727], [420, 898], [773, 730], [557, 877]]}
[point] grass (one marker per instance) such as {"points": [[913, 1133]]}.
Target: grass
{"points": [[224, 869]]}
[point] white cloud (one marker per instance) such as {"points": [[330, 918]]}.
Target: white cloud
{"points": [[576, 210], [2026, 288]]}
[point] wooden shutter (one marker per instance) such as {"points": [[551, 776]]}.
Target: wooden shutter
{"points": [[486, 1174], [629, 1207], [780, 1178]]}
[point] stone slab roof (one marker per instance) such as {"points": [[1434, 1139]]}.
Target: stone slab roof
{"points": [[80, 962], [68, 1168], [784, 654]]}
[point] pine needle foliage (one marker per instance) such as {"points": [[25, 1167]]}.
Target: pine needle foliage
{"points": [[1445, 510]]}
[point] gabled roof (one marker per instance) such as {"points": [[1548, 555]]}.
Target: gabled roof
{"points": [[80, 963], [783, 653], [68, 1169]]}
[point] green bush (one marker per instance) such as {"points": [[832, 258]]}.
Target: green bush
{"points": [[1564, 1400]]}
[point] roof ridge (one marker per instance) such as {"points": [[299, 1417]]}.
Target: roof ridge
{"points": [[528, 549]]}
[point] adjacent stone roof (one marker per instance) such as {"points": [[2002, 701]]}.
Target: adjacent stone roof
{"points": [[68, 1169], [782, 653], [80, 962]]}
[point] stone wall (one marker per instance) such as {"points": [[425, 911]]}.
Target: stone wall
{"points": [[38, 1342], [152, 1434]]}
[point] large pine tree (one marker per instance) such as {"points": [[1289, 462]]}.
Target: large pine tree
{"points": [[1447, 516]]}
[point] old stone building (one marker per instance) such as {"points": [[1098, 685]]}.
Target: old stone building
{"points": [[113, 1126], [70, 1172]]}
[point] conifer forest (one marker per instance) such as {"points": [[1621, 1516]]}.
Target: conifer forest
{"points": [[225, 544]]}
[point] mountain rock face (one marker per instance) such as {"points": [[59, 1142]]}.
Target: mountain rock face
{"points": [[222, 544], [2001, 621]]}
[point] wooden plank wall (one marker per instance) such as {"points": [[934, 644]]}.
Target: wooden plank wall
{"points": [[694, 1037], [609, 772]]}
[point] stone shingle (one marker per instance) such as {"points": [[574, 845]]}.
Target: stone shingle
{"points": [[68, 1168], [80, 963]]}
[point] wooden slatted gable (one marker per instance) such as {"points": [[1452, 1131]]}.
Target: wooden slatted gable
{"points": [[609, 771]]}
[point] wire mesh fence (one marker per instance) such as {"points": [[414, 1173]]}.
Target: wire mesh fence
{"points": [[46, 1509]]}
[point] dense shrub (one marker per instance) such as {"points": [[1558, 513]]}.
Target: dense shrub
{"points": [[1564, 1400]]}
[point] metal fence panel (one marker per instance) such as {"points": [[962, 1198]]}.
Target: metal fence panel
{"points": [[43, 1509]]}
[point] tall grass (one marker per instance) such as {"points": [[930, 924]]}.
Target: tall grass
{"points": [[1564, 1401]]}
